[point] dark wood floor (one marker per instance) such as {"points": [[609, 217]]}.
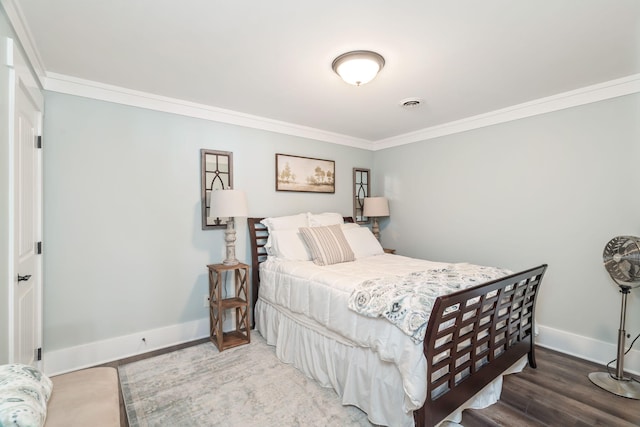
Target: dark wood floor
{"points": [[557, 393]]}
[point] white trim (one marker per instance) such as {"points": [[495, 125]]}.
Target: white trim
{"points": [[586, 95], [98, 352], [17, 20], [95, 353], [6, 52], [96, 90], [587, 348], [10, 83]]}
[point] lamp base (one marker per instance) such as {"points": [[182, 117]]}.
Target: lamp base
{"points": [[230, 239], [625, 387], [375, 228]]}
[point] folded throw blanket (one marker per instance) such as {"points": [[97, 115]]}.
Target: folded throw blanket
{"points": [[406, 301]]}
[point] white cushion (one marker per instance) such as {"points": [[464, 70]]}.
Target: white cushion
{"points": [[362, 241], [327, 245], [347, 225], [287, 222], [284, 222], [325, 218], [288, 244], [24, 393]]}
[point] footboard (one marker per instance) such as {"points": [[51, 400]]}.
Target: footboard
{"points": [[473, 336]]}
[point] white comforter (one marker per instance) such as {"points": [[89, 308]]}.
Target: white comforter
{"points": [[322, 293]]}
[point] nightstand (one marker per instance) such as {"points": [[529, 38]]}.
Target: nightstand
{"points": [[218, 305], [389, 251]]}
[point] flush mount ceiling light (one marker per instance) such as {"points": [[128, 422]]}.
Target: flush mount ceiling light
{"points": [[358, 67]]}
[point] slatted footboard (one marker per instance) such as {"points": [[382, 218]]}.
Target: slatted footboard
{"points": [[473, 336]]}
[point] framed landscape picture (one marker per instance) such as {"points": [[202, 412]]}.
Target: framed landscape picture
{"points": [[305, 174]]}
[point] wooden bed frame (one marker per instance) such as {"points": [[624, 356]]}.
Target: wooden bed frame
{"points": [[472, 337]]}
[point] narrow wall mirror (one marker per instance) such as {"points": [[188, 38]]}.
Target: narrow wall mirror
{"points": [[216, 169], [361, 190]]}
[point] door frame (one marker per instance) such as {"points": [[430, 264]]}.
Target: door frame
{"points": [[20, 74]]}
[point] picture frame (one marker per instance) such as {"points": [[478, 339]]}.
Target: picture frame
{"points": [[216, 173], [361, 190], [305, 174]]}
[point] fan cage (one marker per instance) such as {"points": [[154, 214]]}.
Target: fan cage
{"points": [[621, 258]]}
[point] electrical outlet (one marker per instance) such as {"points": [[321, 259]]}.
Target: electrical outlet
{"points": [[206, 300]]}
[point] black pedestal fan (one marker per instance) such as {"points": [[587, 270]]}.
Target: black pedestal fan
{"points": [[622, 260]]}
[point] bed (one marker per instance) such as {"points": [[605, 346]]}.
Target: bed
{"points": [[472, 337]]}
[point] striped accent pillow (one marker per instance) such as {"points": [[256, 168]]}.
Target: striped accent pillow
{"points": [[327, 245]]}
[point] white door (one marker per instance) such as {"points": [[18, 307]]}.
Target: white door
{"points": [[27, 286]]}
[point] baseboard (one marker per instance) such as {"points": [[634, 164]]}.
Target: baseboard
{"points": [[587, 348], [95, 353], [98, 352]]}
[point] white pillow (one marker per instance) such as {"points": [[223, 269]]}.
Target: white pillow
{"points": [[324, 219], [288, 244], [349, 225], [362, 241], [327, 245], [284, 222]]}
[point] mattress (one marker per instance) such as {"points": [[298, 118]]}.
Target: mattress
{"points": [[309, 305]]}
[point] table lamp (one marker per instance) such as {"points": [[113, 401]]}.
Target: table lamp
{"points": [[229, 204], [375, 207]]}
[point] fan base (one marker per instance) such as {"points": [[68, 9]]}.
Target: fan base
{"points": [[625, 387]]}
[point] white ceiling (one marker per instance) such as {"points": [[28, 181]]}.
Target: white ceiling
{"points": [[272, 59]]}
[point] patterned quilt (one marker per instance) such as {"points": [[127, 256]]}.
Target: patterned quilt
{"points": [[407, 301]]}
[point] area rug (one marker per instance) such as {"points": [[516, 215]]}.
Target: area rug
{"points": [[242, 386]]}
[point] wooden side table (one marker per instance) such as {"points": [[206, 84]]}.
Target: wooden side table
{"points": [[389, 251], [239, 302]]}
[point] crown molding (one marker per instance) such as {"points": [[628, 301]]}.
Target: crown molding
{"points": [[95, 90], [586, 95], [25, 38]]}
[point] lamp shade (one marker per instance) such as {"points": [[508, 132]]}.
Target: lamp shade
{"points": [[376, 206], [228, 204], [358, 67]]}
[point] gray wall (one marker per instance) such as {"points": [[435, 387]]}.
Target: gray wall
{"points": [[124, 251], [553, 188], [124, 248]]}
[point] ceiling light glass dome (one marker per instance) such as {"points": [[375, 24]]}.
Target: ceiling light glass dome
{"points": [[358, 67]]}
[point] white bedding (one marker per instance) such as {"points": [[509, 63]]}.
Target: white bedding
{"points": [[294, 293]]}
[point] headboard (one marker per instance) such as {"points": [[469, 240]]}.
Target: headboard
{"points": [[258, 233]]}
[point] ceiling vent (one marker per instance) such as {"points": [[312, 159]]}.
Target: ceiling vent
{"points": [[411, 103]]}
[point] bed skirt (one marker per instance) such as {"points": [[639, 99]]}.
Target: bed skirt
{"points": [[356, 373]]}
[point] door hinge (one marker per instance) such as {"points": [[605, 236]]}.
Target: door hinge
{"points": [[39, 353], [39, 248], [39, 141]]}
